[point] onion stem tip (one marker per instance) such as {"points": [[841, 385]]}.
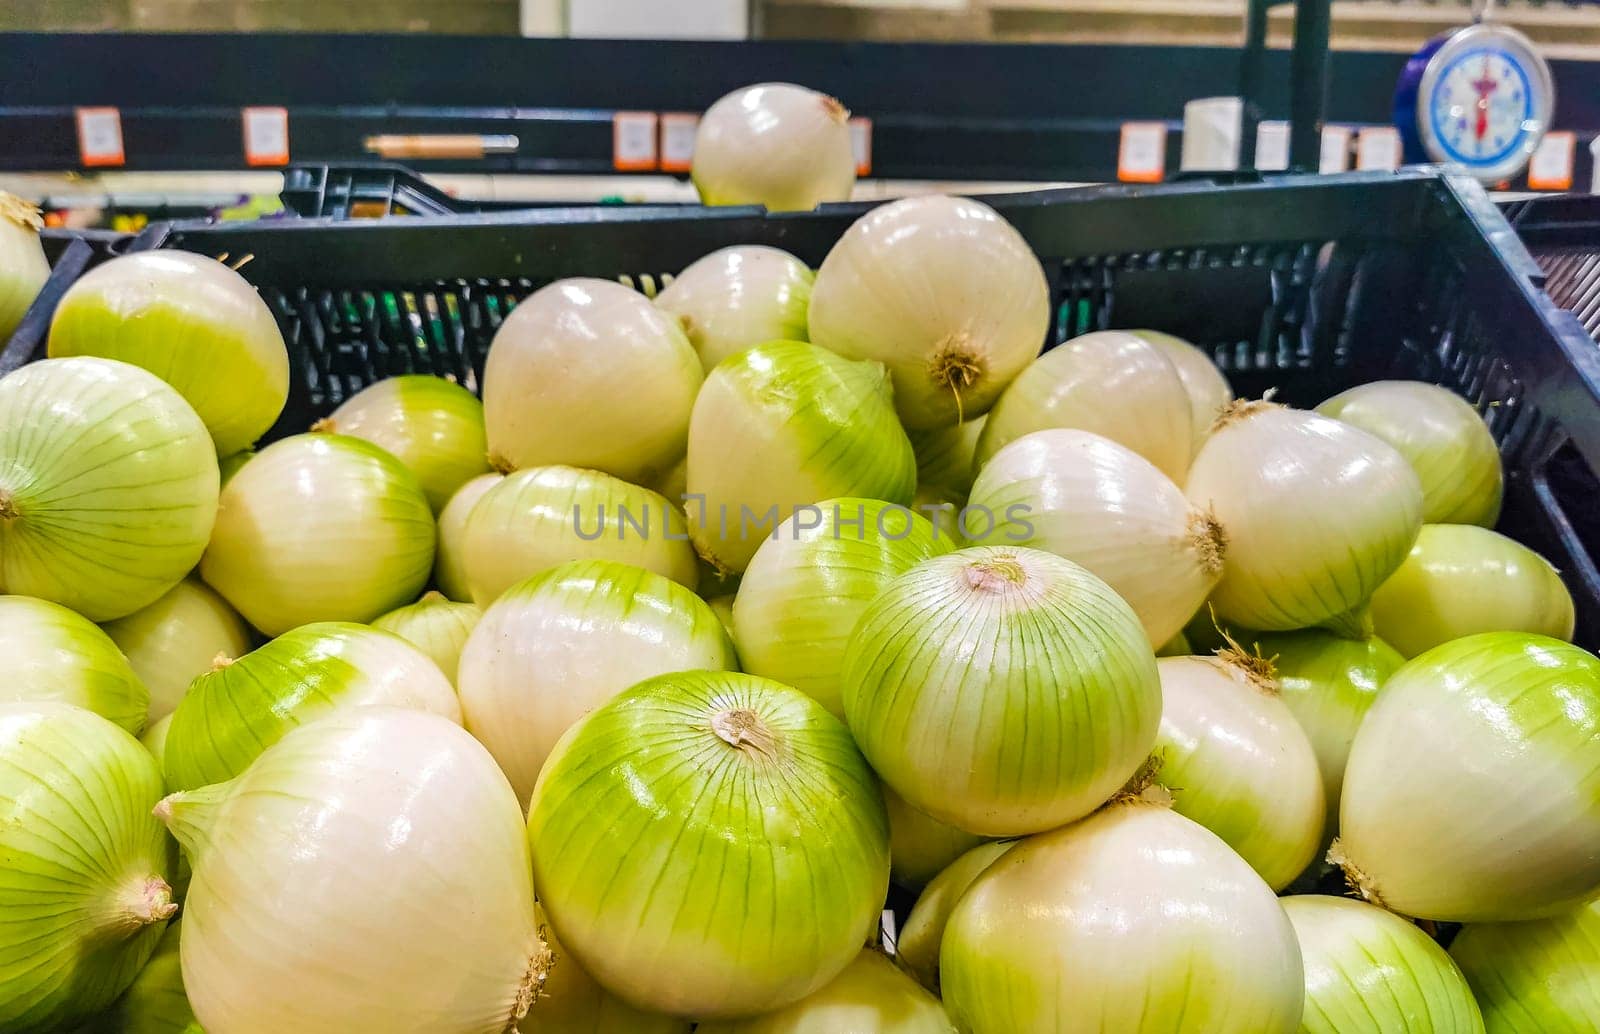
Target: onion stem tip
{"points": [[741, 727]]}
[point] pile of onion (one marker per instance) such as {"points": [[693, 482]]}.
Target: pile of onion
{"points": [[774, 144], [176, 638]]}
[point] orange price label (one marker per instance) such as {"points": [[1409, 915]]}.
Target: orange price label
{"points": [[633, 141], [266, 136], [1551, 165], [1142, 156], [678, 131], [861, 144], [100, 137]]}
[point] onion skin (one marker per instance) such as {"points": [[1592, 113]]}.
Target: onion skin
{"points": [[738, 297], [108, 486], [1049, 731], [156, 1004], [870, 995], [435, 626], [191, 321], [1441, 436], [1370, 972], [774, 144], [1461, 580], [22, 260], [917, 950], [682, 811], [944, 456], [320, 527], [1134, 920], [572, 1003], [449, 566], [1207, 388], [943, 292], [52, 654], [154, 739], [1537, 977], [921, 847], [175, 639], [1471, 793]]}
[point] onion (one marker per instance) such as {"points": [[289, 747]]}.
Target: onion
{"points": [[570, 1002], [1317, 512], [1538, 977], [807, 586], [774, 144], [23, 267], [194, 323], [555, 647], [917, 950], [1472, 792], [433, 426], [1238, 763], [1441, 436], [727, 824], [435, 626], [1001, 690], [376, 861], [84, 894], [1371, 972], [108, 486], [944, 456], [320, 527], [154, 739], [232, 714], [52, 654], [175, 639], [1135, 920], [1177, 646], [1461, 580], [921, 847], [156, 1003], [231, 465], [1111, 383], [449, 571], [779, 427], [722, 607], [738, 297], [870, 995], [1088, 499], [1205, 385], [537, 519], [588, 373]]}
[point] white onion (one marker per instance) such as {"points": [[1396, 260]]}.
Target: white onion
{"points": [[404, 908], [228, 466], [917, 949], [944, 456], [154, 739], [436, 626], [570, 1002], [738, 297], [433, 426], [1238, 763], [1001, 690], [1472, 792], [1536, 977], [1103, 506], [870, 995], [191, 321], [1111, 383], [774, 144], [108, 486], [449, 569], [1441, 436], [1370, 972], [176, 638], [1461, 580], [1207, 388], [1134, 920], [52, 654], [1318, 514], [782, 426], [537, 519], [558, 645], [921, 847], [156, 1003], [23, 267], [943, 292], [320, 527], [722, 607], [588, 373]]}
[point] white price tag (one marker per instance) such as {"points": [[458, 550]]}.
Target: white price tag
{"points": [[1142, 157], [1551, 167], [266, 136], [1272, 146], [633, 141], [1335, 155], [678, 130], [1378, 148], [100, 136], [861, 144]]}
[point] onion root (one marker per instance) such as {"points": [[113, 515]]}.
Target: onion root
{"points": [[541, 961], [1358, 881], [1209, 539], [741, 727]]}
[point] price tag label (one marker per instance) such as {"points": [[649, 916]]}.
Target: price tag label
{"points": [[1551, 167], [861, 144], [1272, 146], [1378, 148], [1335, 156], [1142, 156], [266, 136], [100, 137], [633, 141], [678, 130]]}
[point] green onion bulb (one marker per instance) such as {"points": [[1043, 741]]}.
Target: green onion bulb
{"points": [[320, 527], [52, 654], [738, 297], [1110, 383], [917, 950], [436, 626], [23, 266], [560, 644], [175, 639], [1537, 977], [1086, 498], [433, 426], [870, 995], [1472, 792], [807, 586], [191, 321], [1461, 580], [1001, 690], [944, 293], [368, 873], [588, 373], [944, 456], [1441, 436], [156, 1003], [233, 713], [570, 1002], [779, 427], [1370, 972], [921, 847], [108, 486], [1238, 763], [537, 519], [1205, 385], [774, 144], [83, 896], [726, 824], [449, 571], [1318, 514], [154, 739], [1135, 920]]}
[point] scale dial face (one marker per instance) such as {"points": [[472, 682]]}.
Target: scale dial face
{"points": [[1485, 102]]}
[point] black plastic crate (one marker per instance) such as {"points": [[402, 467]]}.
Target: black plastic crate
{"points": [[376, 189], [1563, 234]]}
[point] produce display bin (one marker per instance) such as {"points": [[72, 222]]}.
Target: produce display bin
{"points": [[377, 189], [1563, 234]]}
